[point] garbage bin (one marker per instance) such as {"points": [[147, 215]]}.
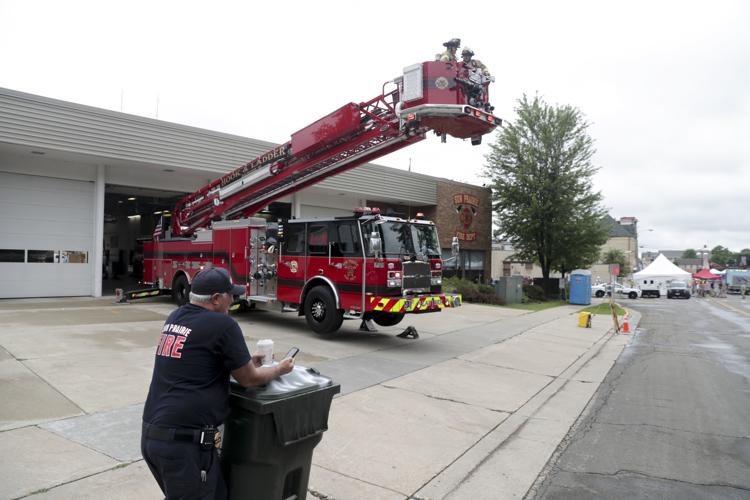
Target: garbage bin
{"points": [[584, 319], [271, 432]]}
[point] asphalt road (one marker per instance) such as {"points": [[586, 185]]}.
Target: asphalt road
{"points": [[672, 418]]}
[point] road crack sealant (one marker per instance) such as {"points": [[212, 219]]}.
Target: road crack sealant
{"points": [[674, 429], [627, 472]]}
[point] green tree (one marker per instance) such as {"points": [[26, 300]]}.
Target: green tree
{"points": [[615, 256], [540, 172], [689, 254], [581, 245], [721, 255]]}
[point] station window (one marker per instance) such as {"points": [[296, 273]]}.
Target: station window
{"points": [[45, 256], [8, 255], [73, 257], [468, 259], [474, 259], [449, 262], [41, 256]]}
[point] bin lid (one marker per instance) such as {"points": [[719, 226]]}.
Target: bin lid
{"points": [[298, 381]]}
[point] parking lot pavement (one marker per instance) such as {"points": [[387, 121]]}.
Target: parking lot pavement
{"points": [[414, 415]]}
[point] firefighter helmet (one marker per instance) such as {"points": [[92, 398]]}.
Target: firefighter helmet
{"points": [[453, 42], [467, 52]]}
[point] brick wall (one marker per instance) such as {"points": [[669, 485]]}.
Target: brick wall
{"points": [[465, 210]]}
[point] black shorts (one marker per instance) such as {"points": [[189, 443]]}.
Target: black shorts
{"points": [[177, 466]]}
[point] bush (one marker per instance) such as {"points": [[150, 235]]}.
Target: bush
{"points": [[534, 293], [470, 291]]}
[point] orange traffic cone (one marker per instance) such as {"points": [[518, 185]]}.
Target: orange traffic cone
{"points": [[625, 324]]}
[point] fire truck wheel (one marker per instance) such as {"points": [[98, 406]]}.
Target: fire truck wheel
{"points": [[181, 290], [320, 311], [388, 319]]}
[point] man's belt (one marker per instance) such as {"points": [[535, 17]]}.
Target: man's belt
{"points": [[204, 437]]}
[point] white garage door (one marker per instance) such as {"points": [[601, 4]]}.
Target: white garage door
{"points": [[46, 233]]}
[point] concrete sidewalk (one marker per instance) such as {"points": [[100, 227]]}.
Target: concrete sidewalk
{"points": [[473, 409], [481, 425]]}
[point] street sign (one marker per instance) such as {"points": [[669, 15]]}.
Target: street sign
{"points": [[614, 269]]}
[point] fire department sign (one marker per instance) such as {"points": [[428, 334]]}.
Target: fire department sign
{"points": [[466, 206]]}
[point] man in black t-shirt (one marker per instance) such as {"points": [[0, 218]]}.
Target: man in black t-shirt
{"points": [[200, 347]]}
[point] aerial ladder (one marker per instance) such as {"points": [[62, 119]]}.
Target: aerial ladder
{"points": [[431, 96]]}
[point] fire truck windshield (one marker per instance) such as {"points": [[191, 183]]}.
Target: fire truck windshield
{"points": [[401, 239]]}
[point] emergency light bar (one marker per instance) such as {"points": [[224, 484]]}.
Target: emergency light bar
{"points": [[359, 211]]}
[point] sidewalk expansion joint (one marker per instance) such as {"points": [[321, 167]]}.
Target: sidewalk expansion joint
{"points": [[52, 387], [439, 398], [121, 465], [355, 479], [513, 368]]}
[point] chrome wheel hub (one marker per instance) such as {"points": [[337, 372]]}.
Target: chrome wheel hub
{"points": [[318, 310]]}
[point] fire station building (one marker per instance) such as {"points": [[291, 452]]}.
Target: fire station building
{"points": [[81, 188]]}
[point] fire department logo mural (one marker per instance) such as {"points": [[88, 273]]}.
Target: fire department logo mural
{"points": [[466, 206], [293, 266], [349, 267]]}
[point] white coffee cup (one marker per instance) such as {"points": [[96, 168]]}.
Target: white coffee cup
{"points": [[265, 347]]}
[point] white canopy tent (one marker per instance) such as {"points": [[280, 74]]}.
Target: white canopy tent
{"points": [[660, 272]]}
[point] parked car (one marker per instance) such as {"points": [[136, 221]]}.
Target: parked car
{"points": [[678, 289], [599, 290], [606, 289]]}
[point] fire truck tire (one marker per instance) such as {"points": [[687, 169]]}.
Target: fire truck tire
{"points": [[181, 290], [320, 311], [388, 319]]}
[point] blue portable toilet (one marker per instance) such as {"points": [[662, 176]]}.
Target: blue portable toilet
{"points": [[580, 287]]}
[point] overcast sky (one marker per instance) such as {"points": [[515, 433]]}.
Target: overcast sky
{"points": [[665, 85]]}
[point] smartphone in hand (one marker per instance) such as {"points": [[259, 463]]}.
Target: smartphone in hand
{"points": [[292, 352]]}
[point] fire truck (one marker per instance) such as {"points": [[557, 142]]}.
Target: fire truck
{"points": [[368, 266]]}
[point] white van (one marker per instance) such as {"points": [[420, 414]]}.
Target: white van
{"points": [[650, 287]]}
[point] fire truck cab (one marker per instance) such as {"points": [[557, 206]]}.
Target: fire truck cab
{"points": [[367, 266]]}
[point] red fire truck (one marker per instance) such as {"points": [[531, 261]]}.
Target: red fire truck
{"points": [[367, 266]]}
